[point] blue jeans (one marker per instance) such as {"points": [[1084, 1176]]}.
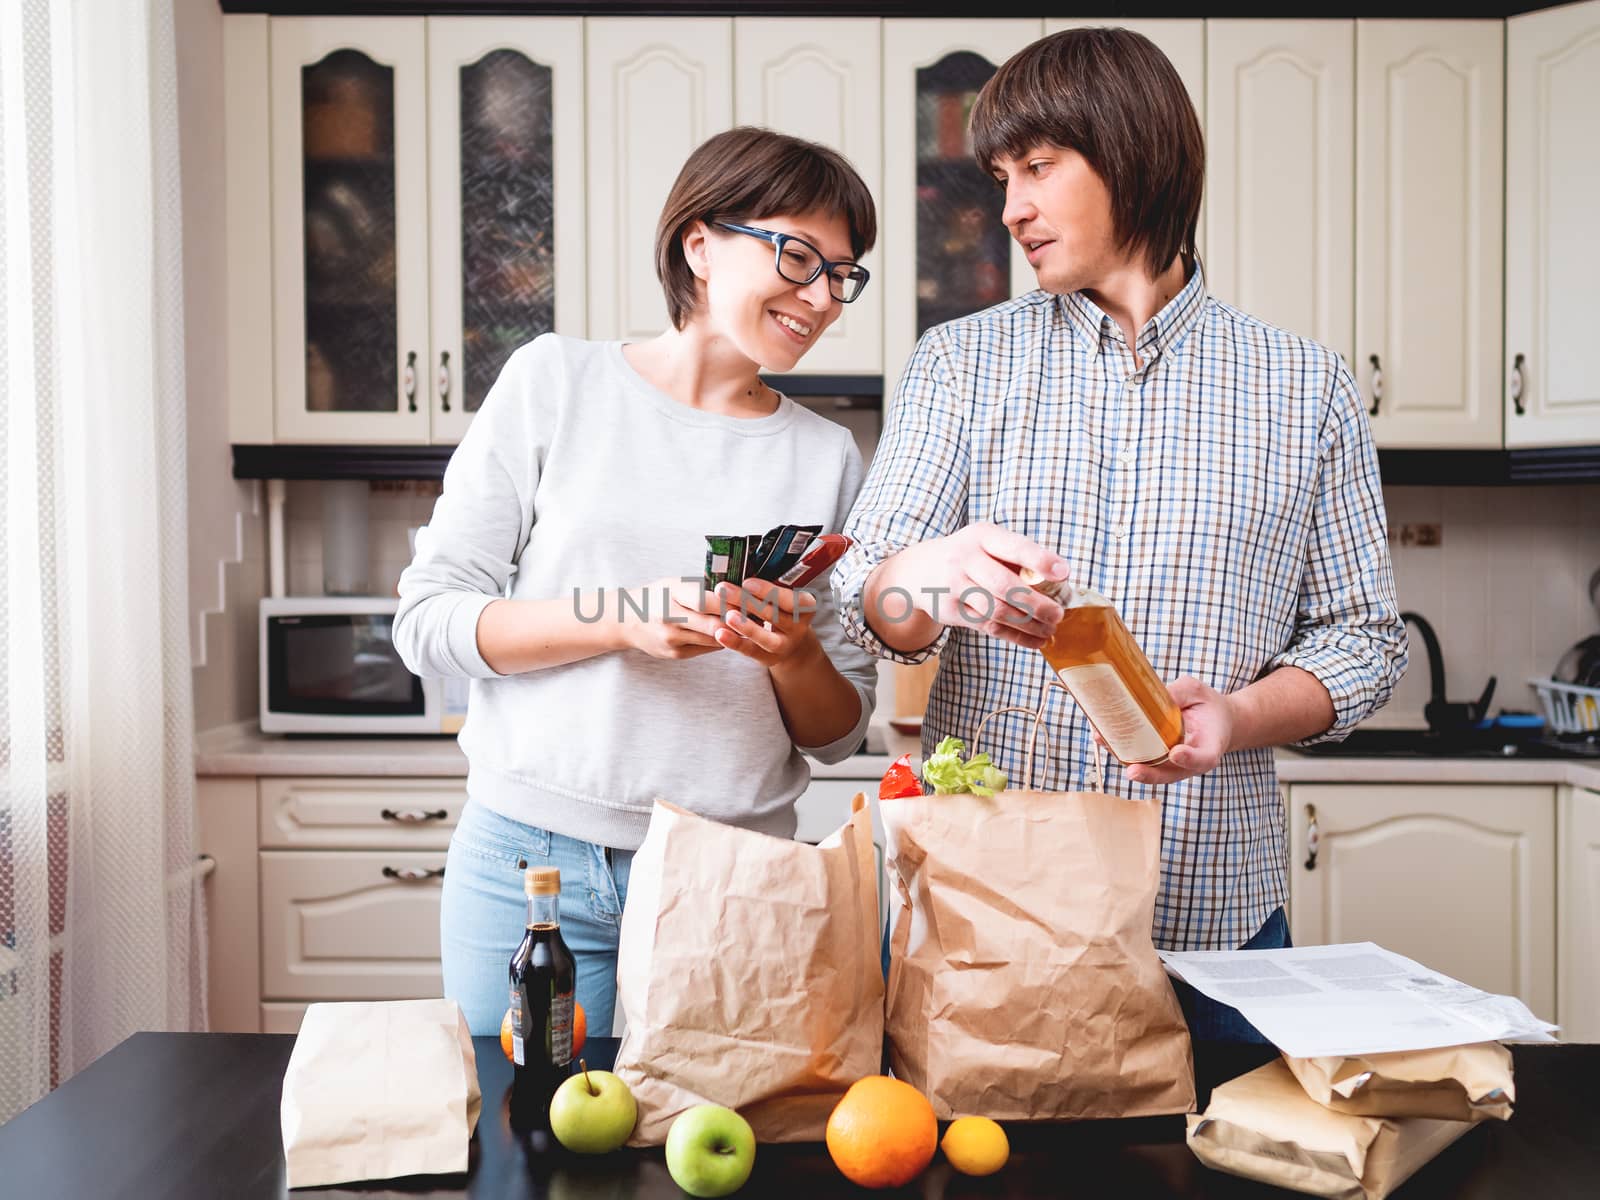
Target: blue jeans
{"points": [[1212, 1021], [483, 913]]}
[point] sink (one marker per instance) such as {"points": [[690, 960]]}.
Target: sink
{"points": [[1465, 743]]}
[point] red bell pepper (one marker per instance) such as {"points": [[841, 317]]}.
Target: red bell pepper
{"points": [[900, 780]]}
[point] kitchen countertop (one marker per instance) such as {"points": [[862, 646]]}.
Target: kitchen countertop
{"points": [[177, 1116], [244, 750]]}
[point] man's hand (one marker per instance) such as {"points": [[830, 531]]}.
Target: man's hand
{"points": [[677, 621], [970, 579], [1208, 724], [767, 623]]}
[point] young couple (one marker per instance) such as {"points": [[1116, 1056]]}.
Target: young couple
{"points": [[1213, 475]]}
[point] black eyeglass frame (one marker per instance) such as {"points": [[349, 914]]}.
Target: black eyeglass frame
{"points": [[779, 240]]}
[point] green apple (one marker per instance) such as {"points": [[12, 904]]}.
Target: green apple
{"points": [[592, 1112], [710, 1150]]}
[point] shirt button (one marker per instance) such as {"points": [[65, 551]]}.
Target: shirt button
{"points": [[1126, 458], [1120, 532]]}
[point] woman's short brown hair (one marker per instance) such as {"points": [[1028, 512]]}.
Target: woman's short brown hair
{"points": [[1112, 96], [747, 173]]}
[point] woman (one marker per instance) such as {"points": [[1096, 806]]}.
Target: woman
{"points": [[592, 468]]}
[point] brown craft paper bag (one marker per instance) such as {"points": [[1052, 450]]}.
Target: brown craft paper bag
{"points": [[378, 1090], [748, 973], [1023, 984], [1455, 1083], [1264, 1127]]}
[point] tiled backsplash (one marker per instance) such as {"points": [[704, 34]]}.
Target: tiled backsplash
{"points": [[1506, 588]]}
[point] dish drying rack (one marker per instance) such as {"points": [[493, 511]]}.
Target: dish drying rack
{"points": [[1568, 707]]}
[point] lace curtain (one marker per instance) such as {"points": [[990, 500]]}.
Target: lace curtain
{"points": [[100, 905]]}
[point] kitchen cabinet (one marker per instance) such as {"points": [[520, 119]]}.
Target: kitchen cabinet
{"points": [[656, 90], [1280, 145], [1578, 916], [945, 251], [1460, 877], [1552, 378], [1429, 228], [424, 214], [820, 80]]}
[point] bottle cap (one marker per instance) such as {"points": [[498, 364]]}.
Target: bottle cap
{"points": [[1056, 589], [542, 881]]}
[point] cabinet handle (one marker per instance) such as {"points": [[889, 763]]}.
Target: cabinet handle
{"points": [[1313, 837], [1517, 383], [1377, 385], [408, 379], [444, 381], [413, 816], [411, 874]]}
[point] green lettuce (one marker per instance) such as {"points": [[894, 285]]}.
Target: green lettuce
{"points": [[947, 774]]}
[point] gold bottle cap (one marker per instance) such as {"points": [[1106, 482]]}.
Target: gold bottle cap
{"points": [[1056, 589], [542, 881]]}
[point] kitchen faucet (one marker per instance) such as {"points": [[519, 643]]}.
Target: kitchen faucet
{"points": [[1442, 715]]}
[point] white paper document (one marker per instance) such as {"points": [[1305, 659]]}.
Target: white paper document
{"points": [[1352, 999]]}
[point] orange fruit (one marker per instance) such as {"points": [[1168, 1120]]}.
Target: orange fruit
{"points": [[580, 1030], [882, 1132]]}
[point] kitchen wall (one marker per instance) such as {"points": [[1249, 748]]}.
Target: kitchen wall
{"points": [[1506, 589]]}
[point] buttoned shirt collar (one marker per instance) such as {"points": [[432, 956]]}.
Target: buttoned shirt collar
{"points": [[1093, 328]]}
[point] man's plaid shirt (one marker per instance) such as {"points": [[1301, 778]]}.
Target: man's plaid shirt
{"points": [[1225, 497]]}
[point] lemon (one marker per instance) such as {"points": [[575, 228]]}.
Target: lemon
{"points": [[975, 1146]]}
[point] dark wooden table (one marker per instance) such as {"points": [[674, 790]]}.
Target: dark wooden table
{"points": [[195, 1117]]}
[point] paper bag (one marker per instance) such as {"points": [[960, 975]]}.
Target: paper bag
{"points": [[1023, 984], [748, 974], [1263, 1126], [379, 1090], [1455, 1083]]}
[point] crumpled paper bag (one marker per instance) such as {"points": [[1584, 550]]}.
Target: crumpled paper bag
{"points": [[1263, 1126], [378, 1090], [748, 974], [1023, 984], [1454, 1083]]}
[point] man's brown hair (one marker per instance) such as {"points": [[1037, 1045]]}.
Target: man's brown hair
{"points": [[748, 173], [1112, 96]]}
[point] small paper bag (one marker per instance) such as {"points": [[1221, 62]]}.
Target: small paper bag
{"points": [[1454, 1083], [748, 974], [1023, 983], [1263, 1126], [378, 1090]]}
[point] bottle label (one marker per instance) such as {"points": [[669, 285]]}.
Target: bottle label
{"points": [[517, 1054], [1115, 713], [561, 1029]]}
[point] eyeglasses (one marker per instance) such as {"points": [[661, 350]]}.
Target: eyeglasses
{"points": [[799, 261]]}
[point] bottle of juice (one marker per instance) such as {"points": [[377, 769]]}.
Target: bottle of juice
{"points": [[1109, 676], [543, 982]]}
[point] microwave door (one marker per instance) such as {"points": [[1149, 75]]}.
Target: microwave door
{"points": [[339, 664]]}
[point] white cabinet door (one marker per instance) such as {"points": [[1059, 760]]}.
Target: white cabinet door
{"points": [[349, 229], [352, 813], [1280, 193], [656, 90], [1460, 877], [350, 925], [1429, 230], [820, 80], [1552, 236], [507, 237], [945, 251], [1578, 917]]}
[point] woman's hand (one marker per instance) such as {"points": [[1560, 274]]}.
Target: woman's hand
{"points": [[767, 623], [668, 618]]}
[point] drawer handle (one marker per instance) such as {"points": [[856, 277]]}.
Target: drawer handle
{"points": [[411, 874], [413, 816], [1313, 837]]}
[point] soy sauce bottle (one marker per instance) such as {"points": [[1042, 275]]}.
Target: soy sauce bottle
{"points": [[543, 980]]}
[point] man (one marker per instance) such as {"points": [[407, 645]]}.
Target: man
{"points": [[1210, 474]]}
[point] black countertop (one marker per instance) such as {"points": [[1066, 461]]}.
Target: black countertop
{"points": [[170, 1116]]}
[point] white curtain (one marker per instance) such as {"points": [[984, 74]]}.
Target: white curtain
{"points": [[100, 906]]}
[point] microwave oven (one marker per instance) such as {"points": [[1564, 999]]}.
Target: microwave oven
{"points": [[328, 665]]}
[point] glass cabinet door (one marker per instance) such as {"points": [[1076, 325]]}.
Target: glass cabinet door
{"points": [[349, 153], [946, 252], [506, 145]]}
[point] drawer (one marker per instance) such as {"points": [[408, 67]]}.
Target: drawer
{"points": [[334, 926], [358, 813]]}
